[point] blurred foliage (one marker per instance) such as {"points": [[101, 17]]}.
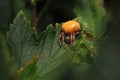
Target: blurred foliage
{"points": [[4, 15], [93, 15], [26, 42], [3, 63]]}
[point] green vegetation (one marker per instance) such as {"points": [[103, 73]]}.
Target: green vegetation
{"points": [[31, 47]]}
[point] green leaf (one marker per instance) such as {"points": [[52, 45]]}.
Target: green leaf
{"points": [[20, 39], [52, 55], [26, 44]]}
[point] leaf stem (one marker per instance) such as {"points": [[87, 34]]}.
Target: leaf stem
{"points": [[34, 14], [35, 18]]}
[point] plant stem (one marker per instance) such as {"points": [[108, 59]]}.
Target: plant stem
{"points": [[34, 15], [35, 18]]}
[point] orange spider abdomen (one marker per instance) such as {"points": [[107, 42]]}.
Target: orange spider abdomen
{"points": [[70, 26]]}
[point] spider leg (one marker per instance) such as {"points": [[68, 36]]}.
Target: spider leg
{"points": [[77, 32], [71, 38], [61, 38]]}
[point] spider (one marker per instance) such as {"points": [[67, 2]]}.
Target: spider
{"points": [[69, 30]]}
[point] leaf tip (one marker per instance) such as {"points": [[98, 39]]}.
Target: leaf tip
{"points": [[21, 12]]}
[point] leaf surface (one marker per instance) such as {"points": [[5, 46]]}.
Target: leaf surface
{"points": [[20, 38], [25, 45]]}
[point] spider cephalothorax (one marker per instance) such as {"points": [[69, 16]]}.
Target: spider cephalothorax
{"points": [[69, 30]]}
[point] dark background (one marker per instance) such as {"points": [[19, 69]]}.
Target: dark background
{"points": [[109, 59]]}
